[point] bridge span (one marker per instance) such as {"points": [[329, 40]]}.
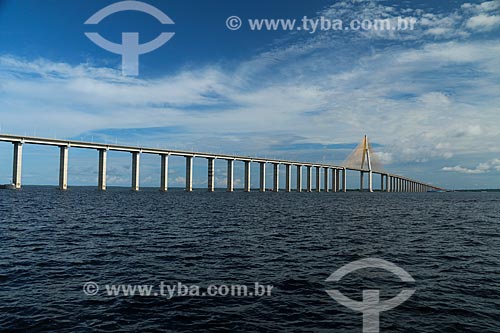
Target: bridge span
{"points": [[334, 177]]}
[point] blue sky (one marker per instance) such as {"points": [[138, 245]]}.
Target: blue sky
{"points": [[429, 98]]}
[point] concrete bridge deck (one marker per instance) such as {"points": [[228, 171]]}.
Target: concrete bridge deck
{"points": [[337, 181]]}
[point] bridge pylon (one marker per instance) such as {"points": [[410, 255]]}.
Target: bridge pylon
{"points": [[364, 159]]}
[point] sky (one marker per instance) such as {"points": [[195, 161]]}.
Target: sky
{"points": [[428, 98]]}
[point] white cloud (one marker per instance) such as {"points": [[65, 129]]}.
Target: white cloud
{"points": [[492, 165], [483, 7], [483, 22]]}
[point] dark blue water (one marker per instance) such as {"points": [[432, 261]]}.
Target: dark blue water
{"points": [[53, 242]]}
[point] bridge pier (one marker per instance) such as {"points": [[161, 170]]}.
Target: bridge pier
{"points": [[325, 179], [387, 183], [299, 178], [288, 174], [276, 177], [135, 170], [337, 179], [189, 173], [309, 178], [334, 180], [262, 176], [344, 180], [17, 164], [63, 167], [164, 173], [247, 176], [361, 181], [318, 179], [230, 175], [370, 181], [103, 157], [211, 174]]}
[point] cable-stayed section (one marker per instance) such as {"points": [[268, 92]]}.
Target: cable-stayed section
{"points": [[363, 157]]}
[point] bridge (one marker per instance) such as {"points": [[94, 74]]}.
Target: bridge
{"points": [[334, 179]]}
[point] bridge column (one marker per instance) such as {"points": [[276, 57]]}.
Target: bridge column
{"points": [[344, 180], [337, 179], [189, 173], [370, 181], [381, 182], [361, 181], [299, 178], [387, 183], [135, 170], [63, 167], [247, 176], [230, 175], [325, 179], [262, 176], [288, 177], [276, 177], [17, 164], [211, 174], [318, 179], [164, 173], [103, 157], [309, 178], [334, 180]]}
